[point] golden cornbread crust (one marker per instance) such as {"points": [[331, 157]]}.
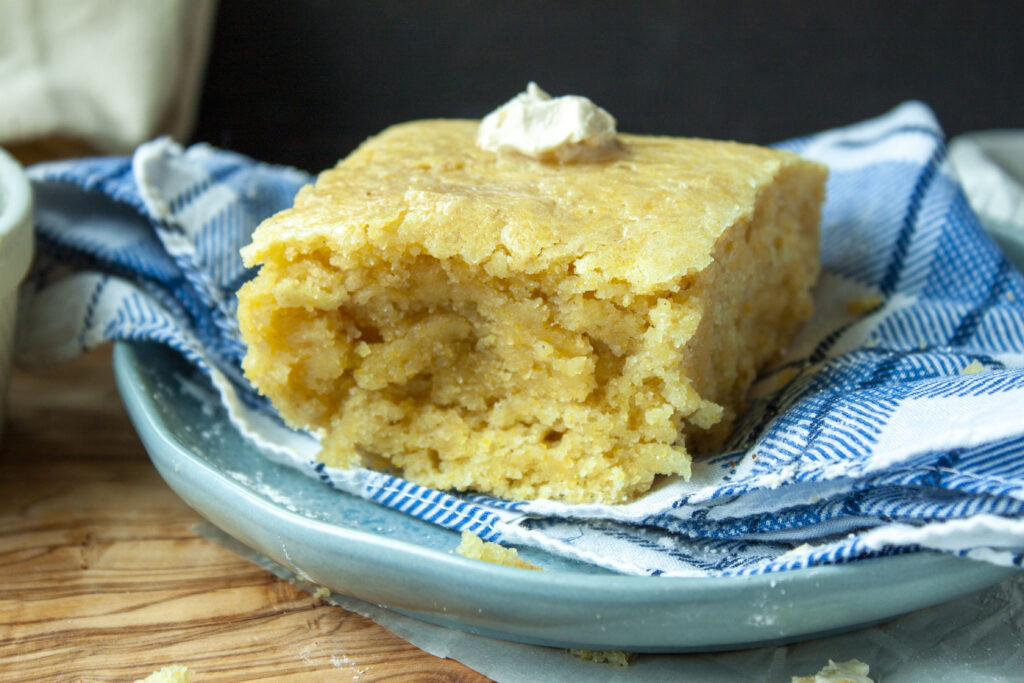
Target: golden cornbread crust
{"points": [[526, 329]]}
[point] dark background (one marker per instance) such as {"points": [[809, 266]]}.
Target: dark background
{"points": [[302, 82]]}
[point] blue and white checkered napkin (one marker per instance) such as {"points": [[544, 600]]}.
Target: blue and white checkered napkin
{"points": [[896, 421]]}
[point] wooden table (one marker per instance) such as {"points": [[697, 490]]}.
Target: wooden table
{"points": [[103, 577]]}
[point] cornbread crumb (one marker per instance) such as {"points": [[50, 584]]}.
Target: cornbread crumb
{"points": [[972, 367], [476, 321], [616, 658], [321, 592], [864, 304], [475, 548], [169, 674], [852, 671]]}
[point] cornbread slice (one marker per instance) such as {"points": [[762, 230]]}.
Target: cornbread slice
{"points": [[486, 321]]}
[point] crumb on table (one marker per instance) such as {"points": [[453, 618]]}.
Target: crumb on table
{"points": [[616, 658], [850, 671], [169, 674]]}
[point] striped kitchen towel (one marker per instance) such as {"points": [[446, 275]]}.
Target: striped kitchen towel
{"points": [[894, 423]]}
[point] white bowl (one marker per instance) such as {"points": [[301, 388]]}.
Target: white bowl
{"points": [[15, 256]]}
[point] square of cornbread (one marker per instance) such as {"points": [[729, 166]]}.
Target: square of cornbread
{"points": [[489, 322]]}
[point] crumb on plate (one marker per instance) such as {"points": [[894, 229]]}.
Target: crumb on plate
{"points": [[475, 548]]}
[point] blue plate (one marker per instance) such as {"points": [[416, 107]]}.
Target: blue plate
{"points": [[358, 548]]}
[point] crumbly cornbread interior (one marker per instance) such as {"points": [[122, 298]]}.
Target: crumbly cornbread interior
{"points": [[475, 548], [489, 322]]}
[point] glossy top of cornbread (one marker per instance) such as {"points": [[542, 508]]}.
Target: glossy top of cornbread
{"points": [[426, 186]]}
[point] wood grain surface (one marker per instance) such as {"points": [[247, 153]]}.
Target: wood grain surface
{"points": [[103, 577]]}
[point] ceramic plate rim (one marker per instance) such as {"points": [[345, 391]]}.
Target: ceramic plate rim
{"points": [[500, 595]]}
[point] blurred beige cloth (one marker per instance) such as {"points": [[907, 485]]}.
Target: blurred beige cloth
{"points": [[990, 165], [112, 73]]}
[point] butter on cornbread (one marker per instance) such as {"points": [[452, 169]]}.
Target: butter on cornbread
{"points": [[484, 321]]}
